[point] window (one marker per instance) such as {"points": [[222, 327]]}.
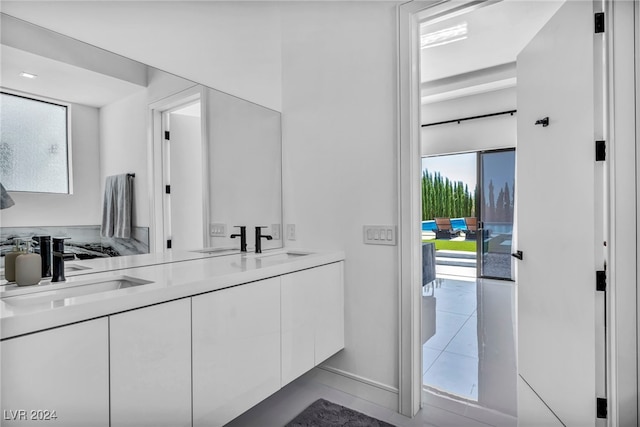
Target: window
{"points": [[34, 144]]}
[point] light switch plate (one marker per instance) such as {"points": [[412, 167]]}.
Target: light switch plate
{"points": [[291, 232], [275, 231], [217, 229], [379, 234]]}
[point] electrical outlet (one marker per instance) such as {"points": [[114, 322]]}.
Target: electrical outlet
{"points": [[217, 230], [379, 234], [275, 231], [291, 232]]}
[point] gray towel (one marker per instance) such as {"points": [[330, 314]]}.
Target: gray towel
{"points": [[5, 199], [116, 207]]}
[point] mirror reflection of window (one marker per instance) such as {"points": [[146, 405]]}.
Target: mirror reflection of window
{"points": [[34, 144]]}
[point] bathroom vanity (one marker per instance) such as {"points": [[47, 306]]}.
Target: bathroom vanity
{"points": [[191, 342]]}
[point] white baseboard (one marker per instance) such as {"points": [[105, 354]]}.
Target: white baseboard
{"points": [[361, 387]]}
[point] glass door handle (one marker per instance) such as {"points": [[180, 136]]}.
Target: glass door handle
{"points": [[517, 254]]}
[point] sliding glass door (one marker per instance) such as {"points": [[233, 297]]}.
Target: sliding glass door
{"points": [[496, 182]]}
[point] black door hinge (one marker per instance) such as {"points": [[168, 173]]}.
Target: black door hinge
{"points": [[601, 407], [601, 280], [166, 135], [601, 151], [599, 22], [167, 189], [169, 244]]}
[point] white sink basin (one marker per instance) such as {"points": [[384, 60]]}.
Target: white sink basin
{"points": [[277, 258], [215, 250], [75, 267], [58, 296]]}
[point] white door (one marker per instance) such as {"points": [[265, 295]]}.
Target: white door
{"points": [[557, 222], [183, 174]]}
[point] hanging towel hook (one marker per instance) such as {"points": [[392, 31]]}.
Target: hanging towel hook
{"points": [[544, 122]]}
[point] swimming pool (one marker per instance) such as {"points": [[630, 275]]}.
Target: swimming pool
{"points": [[459, 224]]}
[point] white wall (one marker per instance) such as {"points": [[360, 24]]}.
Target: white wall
{"points": [[123, 149], [83, 206], [471, 135], [230, 46], [340, 164]]}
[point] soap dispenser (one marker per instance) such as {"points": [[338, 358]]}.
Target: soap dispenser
{"points": [[10, 261], [28, 268]]}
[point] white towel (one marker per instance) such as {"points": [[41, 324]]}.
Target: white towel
{"points": [[116, 207]]}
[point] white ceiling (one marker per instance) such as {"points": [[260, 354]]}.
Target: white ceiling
{"points": [[496, 34], [59, 80]]}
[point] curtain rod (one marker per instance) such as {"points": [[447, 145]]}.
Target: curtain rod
{"points": [[512, 112]]}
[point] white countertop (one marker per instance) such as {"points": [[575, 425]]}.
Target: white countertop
{"points": [[173, 275], [97, 265]]}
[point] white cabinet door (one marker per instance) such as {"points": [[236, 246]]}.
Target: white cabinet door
{"points": [[312, 318], [329, 287], [65, 370], [151, 366], [236, 350], [298, 300]]}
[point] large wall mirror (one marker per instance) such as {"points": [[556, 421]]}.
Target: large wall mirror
{"points": [[199, 161]]}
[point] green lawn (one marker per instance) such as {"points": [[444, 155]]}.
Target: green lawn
{"points": [[448, 245]]}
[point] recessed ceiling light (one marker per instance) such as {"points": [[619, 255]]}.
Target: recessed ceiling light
{"points": [[28, 75], [444, 36]]}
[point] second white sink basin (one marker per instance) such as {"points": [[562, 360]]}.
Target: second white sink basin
{"points": [[277, 258], [215, 251], [74, 267], [59, 295]]}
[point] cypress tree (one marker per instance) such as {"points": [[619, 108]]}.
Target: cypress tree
{"points": [[442, 197]]}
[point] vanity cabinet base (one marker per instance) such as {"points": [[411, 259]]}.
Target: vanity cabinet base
{"points": [[200, 360]]}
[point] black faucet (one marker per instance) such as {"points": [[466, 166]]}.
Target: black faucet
{"points": [[44, 249], [243, 237], [58, 259], [259, 238]]}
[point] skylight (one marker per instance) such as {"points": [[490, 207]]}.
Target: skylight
{"points": [[444, 36]]}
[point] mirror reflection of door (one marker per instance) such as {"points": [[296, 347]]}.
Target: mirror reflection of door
{"points": [[182, 154]]}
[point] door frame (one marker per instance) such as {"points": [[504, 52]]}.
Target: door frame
{"points": [[622, 52], [624, 194], [156, 160]]}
